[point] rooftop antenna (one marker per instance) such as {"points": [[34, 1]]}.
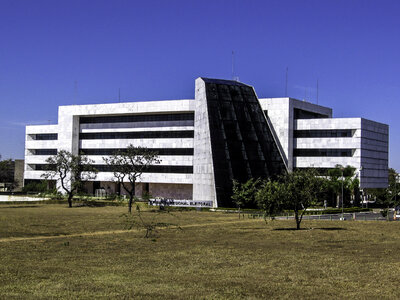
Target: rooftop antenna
{"points": [[232, 64], [236, 78], [287, 71], [317, 91], [119, 94], [76, 92]]}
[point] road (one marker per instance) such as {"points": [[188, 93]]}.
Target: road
{"points": [[359, 216]]}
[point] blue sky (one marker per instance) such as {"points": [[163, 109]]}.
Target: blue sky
{"points": [[78, 52]]}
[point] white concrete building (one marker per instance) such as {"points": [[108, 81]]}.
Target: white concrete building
{"points": [[311, 138], [204, 143]]}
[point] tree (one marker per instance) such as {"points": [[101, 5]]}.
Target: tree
{"points": [[243, 194], [388, 197], [128, 165], [350, 182], [271, 197], [297, 191], [71, 171], [7, 172]]}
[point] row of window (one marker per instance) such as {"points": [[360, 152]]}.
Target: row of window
{"points": [[44, 151], [159, 151], [138, 118], [45, 136], [304, 114], [150, 169], [319, 171], [323, 152], [317, 133], [137, 135]]}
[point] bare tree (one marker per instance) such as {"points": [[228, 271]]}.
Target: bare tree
{"points": [[72, 171], [128, 165]]}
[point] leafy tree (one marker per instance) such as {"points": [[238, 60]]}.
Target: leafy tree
{"points": [[388, 197], [295, 191], [271, 197], [302, 188], [244, 193], [71, 171], [7, 173], [128, 165], [6, 167], [350, 182]]}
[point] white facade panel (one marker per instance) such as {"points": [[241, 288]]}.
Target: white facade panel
{"points": [[152, 178], [36, 159], [37, 129]]}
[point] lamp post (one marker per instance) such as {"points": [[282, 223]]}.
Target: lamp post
{"points": [[342, 196], [359, 185], [396, 177]]}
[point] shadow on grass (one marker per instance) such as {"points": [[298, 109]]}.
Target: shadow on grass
{"points": [[323, 228], [21, 206]]}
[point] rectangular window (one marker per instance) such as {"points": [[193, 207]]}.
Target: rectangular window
{"points": [[137, 135], [150, 169], [153, 169], [323, 133], [304, 114], [323, 152], [46, 136], [159, 151], [138, 118], [45, 151]]}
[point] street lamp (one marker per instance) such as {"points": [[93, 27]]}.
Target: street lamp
{"points": [[359, 183], [396, 177], [342, 196]]}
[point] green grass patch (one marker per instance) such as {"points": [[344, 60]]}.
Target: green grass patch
{"points": [[51, 251]]}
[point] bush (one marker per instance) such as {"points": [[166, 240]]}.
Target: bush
{"points": [[35, 187]]}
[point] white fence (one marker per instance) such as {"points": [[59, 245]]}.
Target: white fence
{"points": [[11, 198]]}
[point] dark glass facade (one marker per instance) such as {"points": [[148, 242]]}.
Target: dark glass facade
{"points": [[46, 136], [138, 118], [304, 114], [137, 135], [45, 151], [159, 151], [43, 167], [242, 143], [327, 133], [153, 169], [150, 169], [323, 152]]}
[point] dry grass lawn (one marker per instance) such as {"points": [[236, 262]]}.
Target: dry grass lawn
{"points": [[51, 251]]}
